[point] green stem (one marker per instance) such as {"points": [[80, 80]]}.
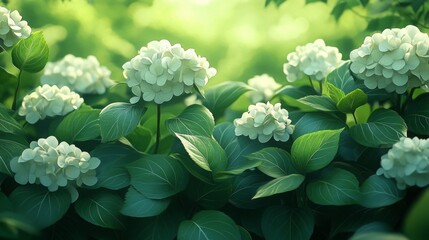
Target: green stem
{"points": [[311, 82], [158, 127], [320, 87], [408, 99], [15, 98]]}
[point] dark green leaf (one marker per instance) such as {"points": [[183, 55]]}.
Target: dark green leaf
{"points": [[351, 101], [316, 121], [80, 125], [280, 185], [342, 79], [141, 138], [416, 225], [386, 21], [275, 162], [42, 207], [137, 205], [364, 2], [383, 129], [316, 150], [417, 115], [31, 54], [339, 9], [210, 196], [158, 176], [101, 208], [209, 224], [245, 235], [335, 187], [313, 1], [194, 169], [280, 222], [322, 103], [194, 120], [8, 124], [378, 191], [10, 146], [378, 236], [289, 94], [16, 226], [245, 186], [349, 149]]}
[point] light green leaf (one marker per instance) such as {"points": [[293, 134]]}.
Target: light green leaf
{"points": [[352, 100], [119, 119], [42, 207], [280, 185], [316, 121], [10, 146], [8, 124], [378, 191], [158, 176], [80, 125], [334, 92], [210, 196], [101, 208], [335, 187], [322, 103], [31, 54], [275, 162], [417, 115], [281, 222], [137, 205], [209, 224], [315, 151], [383, 129], [194, 120]]}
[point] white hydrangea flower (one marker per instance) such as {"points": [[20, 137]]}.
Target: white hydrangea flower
{"points": [[54, 165], [394, 60], [12, 28], [49, 101], [407, 162], [264, 86], [161, 71], [81, 75], [315, 60], [264, 121]]}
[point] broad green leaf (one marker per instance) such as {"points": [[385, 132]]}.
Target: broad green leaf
{"points": [[194, 169], [158, 176], [349, 149], [352, 100], [275, 162], [194, 120], [322, 103], [205, 152], [137, 205], [280, 185], [416, 225], [289, 95], [378, 191], [281, 222], [417, 115], [141, 138], [80, 125], [244, 188], [210, 196], [245, 235], [209, 224], [342, 79], [219, 98], [316, 121], [379, 236], [364, 2], [10, 146], [335, 187], [16, 226], [383, 129], [334, 92], [119, 119], [41, 206], [31, 54], [101, 208], [8, 124], [338, 10], [315, 151]]}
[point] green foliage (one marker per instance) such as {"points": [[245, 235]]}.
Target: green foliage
{"points": [[80, 125], [31, 54], [415, 226], [10, 146], [378, 191], [8, 124], [350, 102], [280, 185], [275, 162], [137, 205], [321, 103], [417, 115]]}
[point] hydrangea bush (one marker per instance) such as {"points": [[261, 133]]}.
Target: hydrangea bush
{"points": [[347, 160]]}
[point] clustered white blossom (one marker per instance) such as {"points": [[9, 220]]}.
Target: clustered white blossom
{"points": [[54, 165], [264, 121], [264, 88], [12, 28], [81, 75], [49, 101], [315, 60], [394, 59], [161, 71], [407, 162]]}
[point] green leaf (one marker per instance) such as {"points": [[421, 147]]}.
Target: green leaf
{"points": [[31, 54], [281, 222], [137, 205], [10, 146], [379, 236], [158, 176], [223, 95], [42, 207], [289, 95], [338, 10], [313, 1], [141, 138], [334, 93], [378, 191], [352, 100], [383, 129], [210, 196], [209, 224], [101, 208], [417, 115], [349, 149], [364, 2], [315, 151], [205, 152], [119, 119], [280, 185], [194, 120], [335, 187], [275, 162], [16, 226], [317, 121], [80, 125], [244, 189], [342, 79], [322, 103], [194, 169], [8, 124], [416, 225], [245, 235]]}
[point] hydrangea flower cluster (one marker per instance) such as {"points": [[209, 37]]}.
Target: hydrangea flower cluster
{"points": [[161, 71], [407, 162], [264, 121], [54, 165], [264, 86], [49, 101], [12, 28], [315, 60], [394, 59], [84, 76]]}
